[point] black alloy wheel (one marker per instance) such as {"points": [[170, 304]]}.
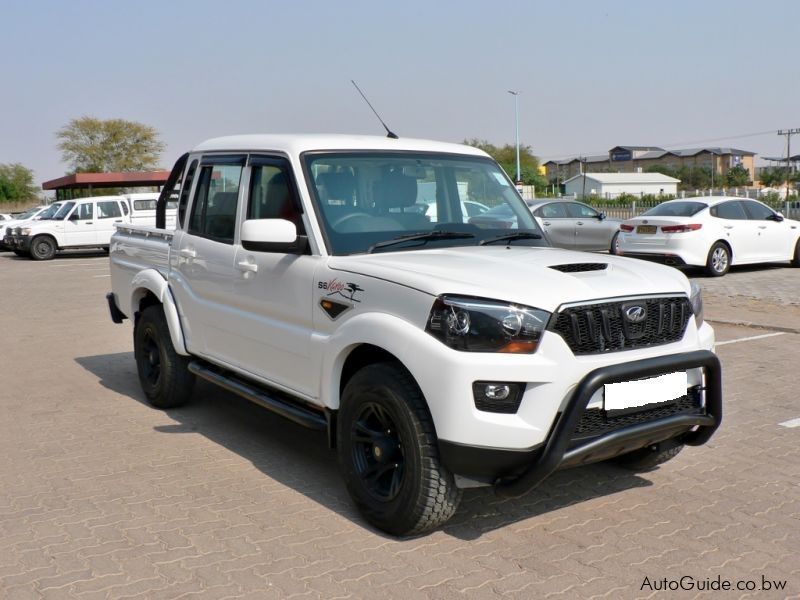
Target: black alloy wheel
{"points": [[377, 452]]}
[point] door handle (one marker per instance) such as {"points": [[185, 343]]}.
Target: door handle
{"points": [[547, 222], [247, 267], [89, 223], [762, 226], [118, 221], [187, 253], [728, 226], [579, 223]]}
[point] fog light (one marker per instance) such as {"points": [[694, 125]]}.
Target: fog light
{"points": [[494, 391], [497, 397]]}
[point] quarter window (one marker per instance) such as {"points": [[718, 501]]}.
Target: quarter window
{"points": [[215, 201]]}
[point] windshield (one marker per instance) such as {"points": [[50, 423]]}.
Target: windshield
{"points": [[367, 198], [28, 214], [50, 211], [676, 209], [63, 211]]}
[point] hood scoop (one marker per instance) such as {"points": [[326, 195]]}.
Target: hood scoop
{"points": [[580, 267]]}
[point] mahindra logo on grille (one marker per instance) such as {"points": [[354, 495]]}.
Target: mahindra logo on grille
{"points": [[635, 314]]}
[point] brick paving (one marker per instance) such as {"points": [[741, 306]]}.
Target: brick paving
{"points": [[102, 496]]}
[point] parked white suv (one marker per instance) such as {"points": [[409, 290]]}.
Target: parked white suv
{"points": [[436, 356]]}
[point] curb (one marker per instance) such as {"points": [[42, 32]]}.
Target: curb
{"points": [[755, 325]]}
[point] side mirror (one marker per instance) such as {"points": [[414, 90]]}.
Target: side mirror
{"points": [[601, 216], [272, 235], [777, 217]]}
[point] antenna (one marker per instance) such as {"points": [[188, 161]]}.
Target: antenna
{"points": [[389, 133]]}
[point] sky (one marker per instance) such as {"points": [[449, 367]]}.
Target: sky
{"points": [[592, 74]]}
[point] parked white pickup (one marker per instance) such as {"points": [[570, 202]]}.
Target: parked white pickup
{"points": [[436, 355], [84, 223]]}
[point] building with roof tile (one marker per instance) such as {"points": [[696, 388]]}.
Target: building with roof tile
{"points": [[637, 159]]}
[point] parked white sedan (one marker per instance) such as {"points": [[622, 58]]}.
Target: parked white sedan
{"points": [[712, 232]]}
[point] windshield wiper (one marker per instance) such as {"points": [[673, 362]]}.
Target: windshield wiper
{"points": [[422, 236], [510, 237]]}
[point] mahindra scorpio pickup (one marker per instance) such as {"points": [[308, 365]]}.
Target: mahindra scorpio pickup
{"points": [[438, 351]]}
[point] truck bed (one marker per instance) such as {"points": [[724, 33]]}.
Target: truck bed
{"points": [[133, 249]]}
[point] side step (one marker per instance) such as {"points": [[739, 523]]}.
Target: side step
{"points": [[275, 402]]}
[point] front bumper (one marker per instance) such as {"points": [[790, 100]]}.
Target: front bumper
{"points": [[22, 243], [517, 472]]}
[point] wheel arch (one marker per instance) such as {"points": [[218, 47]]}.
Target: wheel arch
{"points": [[727, 245], [150, 288]]}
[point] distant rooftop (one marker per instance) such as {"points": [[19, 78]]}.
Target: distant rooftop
{"points": [[107, 180], [627, 178]]}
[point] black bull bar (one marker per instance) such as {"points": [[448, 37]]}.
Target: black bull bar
{"points": [[557, 453]]}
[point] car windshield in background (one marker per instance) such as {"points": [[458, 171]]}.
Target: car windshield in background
{"points": [[676, 209], [63, 211], [50, 211], [368, 198]]}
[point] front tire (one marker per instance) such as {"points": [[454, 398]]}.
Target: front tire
{"points": [[388, 453], [647, 459], [43, 247], [719, 260], [163, 373], [796, 257]]}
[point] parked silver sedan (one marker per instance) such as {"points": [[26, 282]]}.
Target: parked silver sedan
{"points": [[574, 225]]}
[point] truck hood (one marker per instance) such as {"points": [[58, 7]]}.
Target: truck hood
{"points": [[519, 274]]}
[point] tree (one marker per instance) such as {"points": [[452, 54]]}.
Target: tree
{"points": [[737, 176], [16, 183], [94, 145], [506, 156]]}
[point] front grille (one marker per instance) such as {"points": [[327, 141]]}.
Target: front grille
{"points": [[580, 267], [606, 327], [595, 421]]}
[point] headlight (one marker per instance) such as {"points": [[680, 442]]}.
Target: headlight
{"points": [[696, 299], [25, 231], [478, 325]]}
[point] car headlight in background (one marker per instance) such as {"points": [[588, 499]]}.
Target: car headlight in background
{"points": [[696, 298], [480, 325]]}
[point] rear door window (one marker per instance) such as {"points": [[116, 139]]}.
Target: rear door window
{"points": [[216, 199], [729, 210], [556, 210], [108, 209]]}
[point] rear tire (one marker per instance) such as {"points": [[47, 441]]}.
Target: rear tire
{"points": [[388, 453], [614, 242], [649, 458], [163, 373], [719, 260], [43, 247], [796, 258]]}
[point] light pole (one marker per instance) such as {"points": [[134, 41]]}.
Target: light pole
{"points": [[516, 128]]}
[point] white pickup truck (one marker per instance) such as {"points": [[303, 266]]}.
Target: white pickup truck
{"points": [[84, 223], [436, 355]]}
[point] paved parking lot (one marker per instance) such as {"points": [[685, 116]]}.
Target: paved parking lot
{"points": [[102, 496]]}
